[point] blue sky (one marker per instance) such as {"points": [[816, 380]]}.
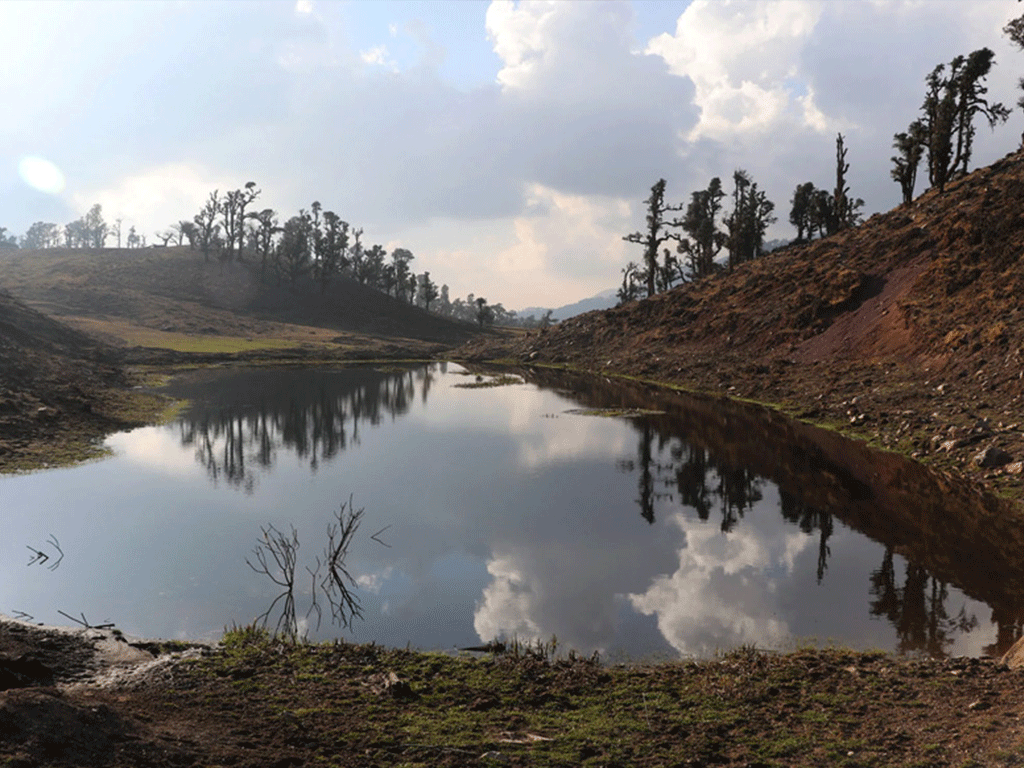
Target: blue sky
{"points": [[508, 145]]}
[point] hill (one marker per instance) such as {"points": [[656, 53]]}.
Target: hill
{"points": [[165, 297], [71, 320], [603, 300], [904, 330], [60, 390]]}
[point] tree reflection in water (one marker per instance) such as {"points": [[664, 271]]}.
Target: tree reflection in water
{"points": [[714, 460], [917, 609], [809, 520], [317, 416], [697, 478], [693, 475]]}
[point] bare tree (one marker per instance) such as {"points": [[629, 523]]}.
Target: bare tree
{"points": [[656, 233], [846, 209], [246, 197], [207, 228]]}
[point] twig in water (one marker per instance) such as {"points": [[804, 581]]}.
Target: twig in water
{"points": [[56, 545], [39, 557], [378, 533], [344, 604], [314, 605], [283, 551], [85, 622]]}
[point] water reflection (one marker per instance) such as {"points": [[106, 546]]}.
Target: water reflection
{"points": [[715, 456], [238, 422], [711, 460], [917, 608], [691, 527]]}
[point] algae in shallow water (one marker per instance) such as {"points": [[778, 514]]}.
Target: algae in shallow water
{"points": [[498, 381], [628, 413]]}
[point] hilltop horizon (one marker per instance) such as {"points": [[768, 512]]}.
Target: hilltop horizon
{"points": [[434, 127]]}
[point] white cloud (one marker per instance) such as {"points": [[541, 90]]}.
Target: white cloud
{"points": [[742, 57], [372, 582], [157, 449], [378, 56], [722, 596], [565, 239], [507, 605], [156, 197]]}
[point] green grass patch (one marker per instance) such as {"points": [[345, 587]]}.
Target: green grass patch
{"points": [[503, 380], [614, 413], [202, 344]]}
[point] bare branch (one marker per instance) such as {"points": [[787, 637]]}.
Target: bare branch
{"points": [[344, 604], [283, 550], [378, 533], [52, 541]]}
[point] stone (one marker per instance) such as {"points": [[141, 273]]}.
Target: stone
{"points": [[992, 457], [1014, 658]]}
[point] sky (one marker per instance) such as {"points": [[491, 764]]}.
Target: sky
{"points": [[509, 146]]}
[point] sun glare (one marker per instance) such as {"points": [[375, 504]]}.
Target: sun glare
{"points": [[41, 174]]}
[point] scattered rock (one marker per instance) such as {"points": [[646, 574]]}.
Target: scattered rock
{"points": [[397, 688], [992, 457]]}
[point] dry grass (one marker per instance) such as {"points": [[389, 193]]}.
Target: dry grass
{"points": [[125, 333]]}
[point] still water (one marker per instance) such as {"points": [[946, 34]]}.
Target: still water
{"points": [[538, 508]]}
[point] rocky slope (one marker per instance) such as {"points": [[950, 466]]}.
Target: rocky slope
{"points": [[56, 384], [905, 330]]}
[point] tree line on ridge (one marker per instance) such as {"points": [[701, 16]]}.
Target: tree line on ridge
{"points": [[942, 136]]}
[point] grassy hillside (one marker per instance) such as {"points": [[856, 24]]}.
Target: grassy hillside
{"points": [[60, 390], [132, 296], [70, 320]]}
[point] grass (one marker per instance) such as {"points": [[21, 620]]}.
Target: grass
{"points": [[614, 412], [503, 380], [201, 344], [528, 705]]}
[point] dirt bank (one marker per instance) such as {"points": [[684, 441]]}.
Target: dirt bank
{"points": [[257, 702]]}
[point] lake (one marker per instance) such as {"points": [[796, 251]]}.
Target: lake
{"points": [[615, 517]]}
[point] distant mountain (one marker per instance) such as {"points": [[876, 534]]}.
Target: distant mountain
{"points": [[603, 300]]}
